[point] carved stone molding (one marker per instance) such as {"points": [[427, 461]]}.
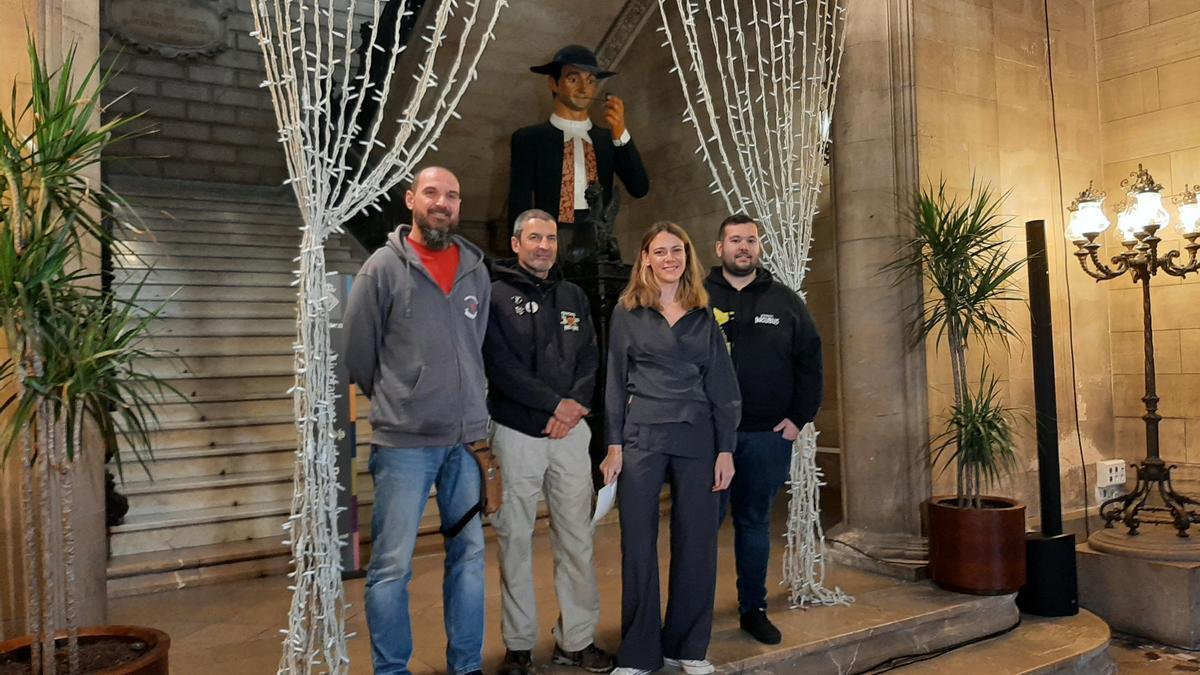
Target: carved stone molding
{"points": [[624, 29], [172, 28]]}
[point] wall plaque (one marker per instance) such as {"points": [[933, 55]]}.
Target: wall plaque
{"points": [[173, 28]]}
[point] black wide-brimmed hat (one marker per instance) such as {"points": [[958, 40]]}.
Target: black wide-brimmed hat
{"points": [[573, 55]]}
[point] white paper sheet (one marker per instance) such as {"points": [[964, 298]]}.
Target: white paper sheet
{"points": [[605, 499]]}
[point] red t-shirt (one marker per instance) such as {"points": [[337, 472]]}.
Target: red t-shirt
{"points": [[443, 264]]}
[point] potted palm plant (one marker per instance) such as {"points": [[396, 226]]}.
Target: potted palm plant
{"points": [[976, 541], [71, 362]]}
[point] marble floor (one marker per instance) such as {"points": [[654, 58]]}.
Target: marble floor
{"points": [[234, 628]]}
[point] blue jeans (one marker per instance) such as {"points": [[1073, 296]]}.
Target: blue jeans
{"points": [[762, 464], [403, 477]]}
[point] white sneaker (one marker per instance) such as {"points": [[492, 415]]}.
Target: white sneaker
{"points": [[629, 671], [691, 666]]}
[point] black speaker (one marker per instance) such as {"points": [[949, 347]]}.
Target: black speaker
{"points": [[1051, 584]]}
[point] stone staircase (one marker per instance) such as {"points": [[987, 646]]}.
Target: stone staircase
{"points": [[210, 505]]}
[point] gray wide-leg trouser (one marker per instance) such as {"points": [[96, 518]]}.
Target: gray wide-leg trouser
{"points": [[563, 470], [682, 455]]}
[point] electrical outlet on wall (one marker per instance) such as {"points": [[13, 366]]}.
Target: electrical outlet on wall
{"points": [[1106, 493], [1110, 472]]}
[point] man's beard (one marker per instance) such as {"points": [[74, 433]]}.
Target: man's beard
{"points": [[738, 271], [436, 239]]}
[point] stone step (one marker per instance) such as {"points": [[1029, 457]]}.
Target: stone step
{"points": [[220, 346], [229, 388], [195, 462], [205, 526], [177, 278], [887, 620], [220, 411], [228, 327], [163, 497], [220, 249], [203, 264], [1040, 645], [226, 461], [211, 434], [181, 309], [250, 238], [139, 573], [195, 277], [183, 208], [153, 295], [216, 227]]}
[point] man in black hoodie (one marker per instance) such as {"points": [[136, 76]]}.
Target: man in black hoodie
{"points": [[541, 357], [777, 354]]}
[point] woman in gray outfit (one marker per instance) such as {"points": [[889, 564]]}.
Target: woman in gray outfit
{"points": [[672, 408]]}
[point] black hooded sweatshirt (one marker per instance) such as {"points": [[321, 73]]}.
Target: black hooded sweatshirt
{"points": [[540, 347], [775, 347]]}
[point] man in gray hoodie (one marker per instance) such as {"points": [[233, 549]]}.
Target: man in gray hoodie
{"points": [[415, 324]]}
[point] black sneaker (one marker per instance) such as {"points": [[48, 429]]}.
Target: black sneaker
{"points": [[516, 662], [591, 658], [756, 623]]}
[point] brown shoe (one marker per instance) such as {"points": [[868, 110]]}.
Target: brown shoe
{"points": [[591, 658]]}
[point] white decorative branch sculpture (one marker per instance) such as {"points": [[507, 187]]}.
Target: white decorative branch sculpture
{"points": [[338, 168], [758, 80]]}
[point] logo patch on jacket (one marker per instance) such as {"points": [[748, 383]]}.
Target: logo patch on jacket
{"points": [[521, 307], [570, 321], [767, 318], [471, 310]]}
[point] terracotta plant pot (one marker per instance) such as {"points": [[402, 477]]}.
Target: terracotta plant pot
{"points": [[153, 660], [978, 551]]}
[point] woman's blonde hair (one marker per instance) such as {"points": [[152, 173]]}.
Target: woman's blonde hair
{"points": [[643, 290]]}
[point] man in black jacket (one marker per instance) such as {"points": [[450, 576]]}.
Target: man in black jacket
{"points": [[541, 358], [777, 354], [554, 162]]}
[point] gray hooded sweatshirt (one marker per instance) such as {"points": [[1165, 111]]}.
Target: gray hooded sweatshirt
{"points": [[417, 352]]}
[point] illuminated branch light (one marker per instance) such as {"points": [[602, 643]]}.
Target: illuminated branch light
{"points": [[767, 159], [306, 59]]}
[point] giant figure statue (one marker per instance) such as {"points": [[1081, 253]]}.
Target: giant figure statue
{"points": [[554, 162]]}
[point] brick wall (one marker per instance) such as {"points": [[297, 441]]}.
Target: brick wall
{"points": [[212, 121], [1149, 66]]}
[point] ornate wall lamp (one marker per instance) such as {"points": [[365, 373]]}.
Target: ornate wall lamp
{"points": [[1139, 220]]}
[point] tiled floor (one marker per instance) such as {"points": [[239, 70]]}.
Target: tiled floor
{"points": [[1141, 657]]}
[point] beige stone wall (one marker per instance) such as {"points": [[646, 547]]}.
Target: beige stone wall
{"points": [[679, 191], [1149, 75], [984, 109]]}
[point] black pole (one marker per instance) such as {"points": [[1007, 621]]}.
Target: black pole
{"points": [[1043, 379], [1050, 581]]}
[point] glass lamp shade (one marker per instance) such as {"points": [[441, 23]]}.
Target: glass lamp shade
{"points": [[1130, 223], [1189, 219], [1151, 210], [1087, 219]]}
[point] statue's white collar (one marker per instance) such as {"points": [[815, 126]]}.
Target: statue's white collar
{"points": [[572, 128]]}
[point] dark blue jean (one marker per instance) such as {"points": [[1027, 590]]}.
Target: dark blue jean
{"points": [[761, 468]]}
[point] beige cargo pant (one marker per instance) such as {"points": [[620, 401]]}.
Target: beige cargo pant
{"points": [[562, 469]]}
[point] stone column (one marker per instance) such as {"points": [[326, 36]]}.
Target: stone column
{"points": [[885, 470]]}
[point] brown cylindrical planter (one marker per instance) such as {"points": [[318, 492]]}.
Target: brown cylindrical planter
{"points": [[978, 551], [152, 662]]}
